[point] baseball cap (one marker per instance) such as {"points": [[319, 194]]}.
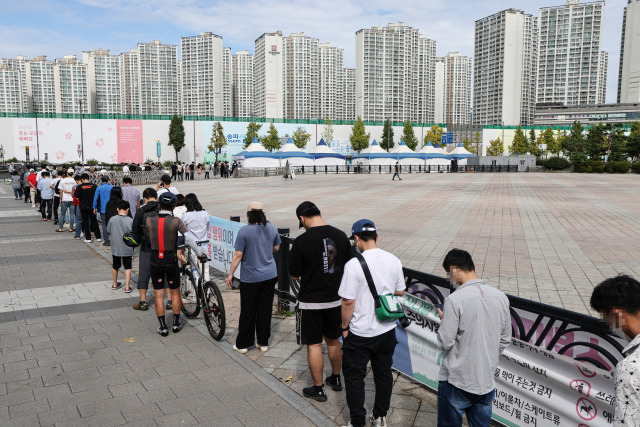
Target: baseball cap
{"points": [[362, 225], [32, 170], [304, 209], [167, 199], [257, 206], [70, 170]]}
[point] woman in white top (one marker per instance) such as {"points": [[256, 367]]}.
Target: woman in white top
{"points": [[196, 219]]}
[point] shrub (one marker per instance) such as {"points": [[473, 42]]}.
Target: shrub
{"points": [[617, 167], [596, 166], [556, 163], [92, 162], [12, 160], [541, 162], [167, 164], [635, 167]]}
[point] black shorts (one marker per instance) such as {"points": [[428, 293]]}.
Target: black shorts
{"points": [[314, 324], [120, 260], [166, 268]]}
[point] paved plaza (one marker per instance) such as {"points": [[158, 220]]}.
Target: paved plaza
{"points": [[73, 352]]}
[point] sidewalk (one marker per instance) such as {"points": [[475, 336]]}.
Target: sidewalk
{"points": [[74, 353]]}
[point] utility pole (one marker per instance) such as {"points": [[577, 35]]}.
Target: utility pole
{"points": [[81, 134]]}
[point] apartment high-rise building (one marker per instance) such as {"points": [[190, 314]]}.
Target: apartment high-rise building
{"points": [[505, 69], [349, 94], [300, 73], [268, 79], [457, 90], [438, 98], [227, 99], [70, 79], [242, 84], [129, 82], [602, 78], [103, 82], [395, 74], [331, 90], [19, 64], [11, 98], [41, 85], [202, 75], [570, 54], [629, 72], [158, 78]]}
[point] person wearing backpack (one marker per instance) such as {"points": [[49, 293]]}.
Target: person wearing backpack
{"points": [[366, 337], [55, 184], [149, 209]]}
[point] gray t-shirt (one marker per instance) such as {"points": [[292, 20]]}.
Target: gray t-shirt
{"points": [[117, 226], [256, 243]]}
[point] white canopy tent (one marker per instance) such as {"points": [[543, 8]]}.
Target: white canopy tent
{"points": [[256, 156], [461, 154], [434, 156], [323, 155], [294, 155], [375, 155], [405, 155]]}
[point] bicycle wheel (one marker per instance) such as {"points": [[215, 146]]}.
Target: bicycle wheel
{"points": [[189, 294], [7, 181], [213, 310]]}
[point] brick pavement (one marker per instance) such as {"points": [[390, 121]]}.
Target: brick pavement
{"points": [[74, 353]]}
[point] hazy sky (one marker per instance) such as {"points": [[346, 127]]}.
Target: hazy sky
{"points": [[60, 27]]}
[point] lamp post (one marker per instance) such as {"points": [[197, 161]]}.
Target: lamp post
{"points": [[37, 137], [2, 154], [80, 101]]}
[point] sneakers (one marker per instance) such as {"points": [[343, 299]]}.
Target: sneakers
{"points": [[263, 348], [378, 422], [141, 305], [240, 350], [334, 382], [169, 305], [106, 244], [312, 393], [98, 240], [76, 237], [87, 241], [163, 331], [176, 328]]}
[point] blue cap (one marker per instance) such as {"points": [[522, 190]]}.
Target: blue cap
{"points": [[359, 226]]}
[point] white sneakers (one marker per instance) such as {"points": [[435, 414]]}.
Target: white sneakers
{"points": [[240, 350], [377, 422], [263, 348]]}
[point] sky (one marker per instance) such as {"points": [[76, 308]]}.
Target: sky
{"points": [[62, 27]]}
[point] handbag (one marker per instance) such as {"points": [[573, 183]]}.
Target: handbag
{"points": [[388, 309]]}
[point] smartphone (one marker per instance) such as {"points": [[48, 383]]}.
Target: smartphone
{"points": [[440, 306]]}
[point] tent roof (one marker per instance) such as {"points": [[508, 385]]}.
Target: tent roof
{"points": [[402, 148], [323, 150], [432, 152], [374, 148], [461, 152], [255, 146]]}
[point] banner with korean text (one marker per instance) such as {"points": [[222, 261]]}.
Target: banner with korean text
{"points": [[534, 387], [222, 235]]}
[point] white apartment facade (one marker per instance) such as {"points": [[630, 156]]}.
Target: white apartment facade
{"points": [[268, 79], [349, 94], [158, 78], [629, 72], [395, 74], [41, 85], [457, 90], [505, 69], [11, 98], [70, 80], [301, 78], [331, 90], [571, 61], [18, 64], [227, 100], [438, 97], [202, 75], [129, 82], [103, 82], [242, 84]]}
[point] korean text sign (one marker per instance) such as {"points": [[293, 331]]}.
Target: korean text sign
{"points": [[222, 236]]}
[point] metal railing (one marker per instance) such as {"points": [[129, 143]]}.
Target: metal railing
{"points": [[139, 177], [371, 169], [558, 330]]}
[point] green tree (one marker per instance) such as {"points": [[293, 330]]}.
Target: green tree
{"points": [[434, 135], [533, 140], [271, 141], [550, 140], [633, 141], [327, 132], [300, 137], [176, 134], [387, 136], [252, 132], [561, 138], [218, 141], [596, 143], [358, 138], [520, 144], [408, 135], [616, 142], [495, 148], [477, 140], [469, 146], [574, 145]]}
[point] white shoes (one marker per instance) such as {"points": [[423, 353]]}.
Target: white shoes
{"points": [[88, 241], [98, 240], [263, 348], [379, 422], [240, 350]]}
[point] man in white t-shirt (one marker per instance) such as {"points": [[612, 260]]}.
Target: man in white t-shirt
{"points": [[66, 201], [365, 338], [165, 185]]}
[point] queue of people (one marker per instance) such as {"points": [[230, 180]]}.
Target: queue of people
{"points": [[181, 171]]}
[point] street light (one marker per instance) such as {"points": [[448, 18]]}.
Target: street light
{"points": [[81, 135], [2, 154]]}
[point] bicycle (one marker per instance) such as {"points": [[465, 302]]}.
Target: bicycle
{"points": [[197, 295]]}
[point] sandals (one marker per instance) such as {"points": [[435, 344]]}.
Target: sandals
{"points": [[117, 287], [59, 230], [71, 230], [127, 291]]}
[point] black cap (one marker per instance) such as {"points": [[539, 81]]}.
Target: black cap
{"points": [[168, 199], [306, 209]]}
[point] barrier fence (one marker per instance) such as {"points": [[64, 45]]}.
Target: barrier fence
{"points": [[373, 169], [557, 370]]}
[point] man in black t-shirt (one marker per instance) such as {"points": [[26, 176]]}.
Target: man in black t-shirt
{"points": [[85, 193], [318, 257]]}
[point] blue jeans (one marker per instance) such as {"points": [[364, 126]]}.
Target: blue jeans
{"points": [[453, 402], [105, 235], [78, 218], [18, 192], [63, 213]]}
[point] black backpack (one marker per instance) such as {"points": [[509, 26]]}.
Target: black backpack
{"points": [[56, 189]]}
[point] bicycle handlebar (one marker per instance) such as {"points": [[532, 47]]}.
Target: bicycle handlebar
{"points": [[202, 242]]}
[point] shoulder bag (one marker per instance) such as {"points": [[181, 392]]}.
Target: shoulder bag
{"points": [[388, 309]]}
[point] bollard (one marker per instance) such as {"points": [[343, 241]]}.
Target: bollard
{"points": [[234, 218], [314, 170], [326, 169]]}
